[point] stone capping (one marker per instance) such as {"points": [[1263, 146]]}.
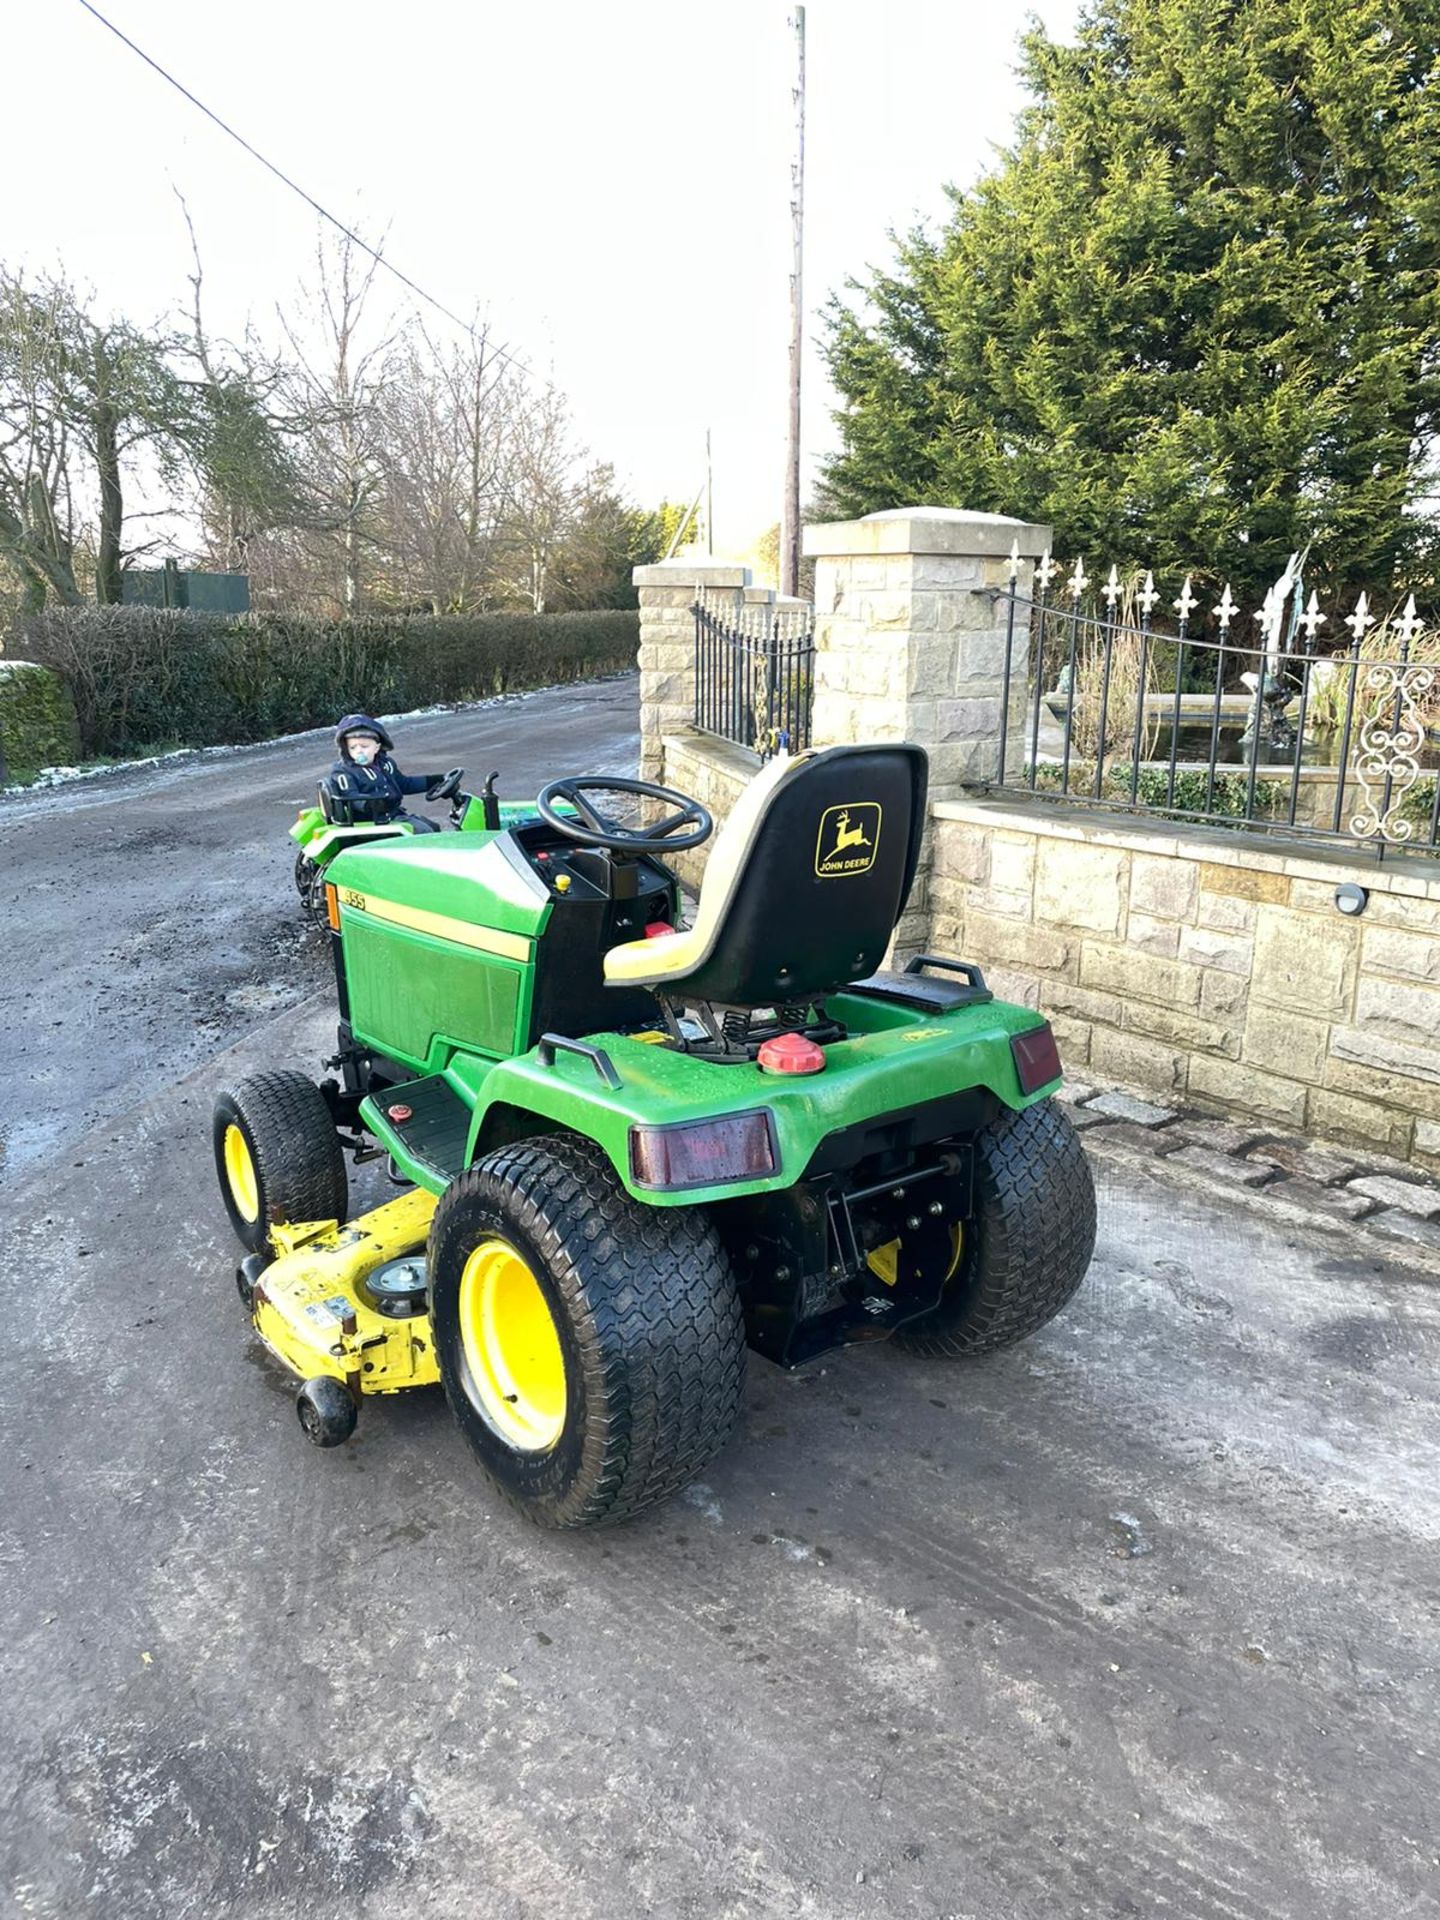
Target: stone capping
{"points": [[743, 763], [945, 530], [685, 570], [1266, 853]]}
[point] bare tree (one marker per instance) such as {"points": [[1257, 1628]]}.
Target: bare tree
{"points": [[448, 416], [335, 384], [71, 388], [244, 439], [542, 488], [37, 513]]}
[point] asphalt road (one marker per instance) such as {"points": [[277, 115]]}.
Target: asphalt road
{"points": [[149, 914], [1137, 1619]]}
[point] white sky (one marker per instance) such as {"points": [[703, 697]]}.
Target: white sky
{"points": [[606, 180]]}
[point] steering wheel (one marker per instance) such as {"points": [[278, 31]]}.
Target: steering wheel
{"points": [[594, 829], [447, 787]]}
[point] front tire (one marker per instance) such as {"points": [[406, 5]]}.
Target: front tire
{"points": [[592, 1349], [278, 1155], [1026, 1250]]}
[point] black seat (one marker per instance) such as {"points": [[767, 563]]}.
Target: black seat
{"points": [[802, 892], [337, 812]]}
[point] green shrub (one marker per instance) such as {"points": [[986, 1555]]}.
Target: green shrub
{"points": [[1418, 808], [37, 721], [1193, 792], [144, 677]]}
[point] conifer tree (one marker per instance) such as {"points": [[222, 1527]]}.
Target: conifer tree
{"points": [[1192, 317]]}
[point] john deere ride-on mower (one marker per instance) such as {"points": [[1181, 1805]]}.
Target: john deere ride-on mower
{"points": [[632, 1150]]}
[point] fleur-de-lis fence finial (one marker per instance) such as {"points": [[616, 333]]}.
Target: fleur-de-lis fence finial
{"points": [[1361, 620], [1187, 603], [1079, 580], [1148, 595], [1408, 625], [1014, 560], [1045, 570], [1311, 619], [1225, 610]]}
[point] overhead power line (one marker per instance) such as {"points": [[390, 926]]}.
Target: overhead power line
{"points": [[465, 327]]}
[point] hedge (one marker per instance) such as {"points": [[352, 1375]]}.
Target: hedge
{"points": [[37, 721], [146, 677]]}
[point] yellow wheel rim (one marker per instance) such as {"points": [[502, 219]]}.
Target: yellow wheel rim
{"points": [[957, 1251], [884, 1262], [240, 1173], [512, 1348]]}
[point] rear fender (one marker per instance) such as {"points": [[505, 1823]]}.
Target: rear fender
{"points": [[879, 1092], [309, 822], [325, 844]]}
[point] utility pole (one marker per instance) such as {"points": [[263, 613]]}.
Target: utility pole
{"points": [[709, 499], [790, 509]]}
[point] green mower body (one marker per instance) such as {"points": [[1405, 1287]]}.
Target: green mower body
{"points": [[876, 1155]]}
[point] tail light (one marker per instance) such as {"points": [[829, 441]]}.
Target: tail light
{"points": [[703, 1153], [1037, 1058]]}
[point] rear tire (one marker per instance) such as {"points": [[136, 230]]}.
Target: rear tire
{"points": [[1027, 1248], [278, 1155], [592, 1349]]}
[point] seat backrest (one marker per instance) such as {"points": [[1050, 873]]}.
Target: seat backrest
{"points": [[809, 876], [336, 811]]}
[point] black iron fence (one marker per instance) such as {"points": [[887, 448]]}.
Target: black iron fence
{"points": [[1280, 732], [755, 675]]}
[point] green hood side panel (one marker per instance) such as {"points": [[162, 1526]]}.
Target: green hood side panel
{"points": [[468, 877], [420, 999], [439, 948], [902, 1062]]}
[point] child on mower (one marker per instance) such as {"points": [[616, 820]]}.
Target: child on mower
{"points": [[366, 780]]}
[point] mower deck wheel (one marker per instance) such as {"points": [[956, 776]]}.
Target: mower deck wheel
{"points": [[278, 1155], [327, 1411], [592, 1349], [1025, 1251]]}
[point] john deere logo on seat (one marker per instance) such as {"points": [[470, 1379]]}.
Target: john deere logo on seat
{"points": [[848, 840]]}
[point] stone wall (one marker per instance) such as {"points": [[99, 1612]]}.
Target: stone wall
{"points": [[715, 773], [1202, 964]]}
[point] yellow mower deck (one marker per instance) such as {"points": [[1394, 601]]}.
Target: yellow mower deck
{"points": [[310, 1309]]}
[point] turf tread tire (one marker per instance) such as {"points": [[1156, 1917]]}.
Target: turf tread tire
{"points": [[1029, 1243], [299, 1163], [650, 1322]]}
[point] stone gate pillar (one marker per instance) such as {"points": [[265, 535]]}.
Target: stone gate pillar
{"points": [[668, 591], [910, 645]]}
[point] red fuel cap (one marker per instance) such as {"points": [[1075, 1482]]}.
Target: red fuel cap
{"points": [[791, 1053], [400, 1114]]}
